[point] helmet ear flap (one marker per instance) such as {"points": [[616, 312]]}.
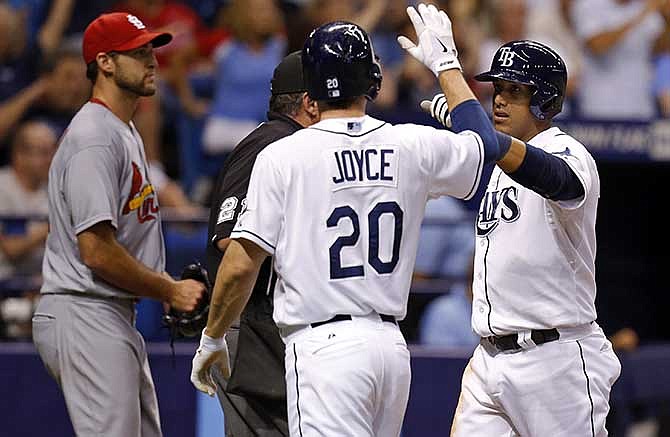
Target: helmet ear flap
{"points": [[549, 104], [548, 108]]}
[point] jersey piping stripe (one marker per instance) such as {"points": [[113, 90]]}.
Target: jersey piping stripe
{"points": [[255, 235], [349, 135], [480, 167], [486, 284], [272, 279], [588, 387], [297, 388]]}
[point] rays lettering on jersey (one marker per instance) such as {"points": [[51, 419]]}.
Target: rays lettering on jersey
{"points": [[497, 205], [370, 165]]}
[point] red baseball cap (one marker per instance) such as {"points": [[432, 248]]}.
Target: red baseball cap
{"points": [[118, 32]]}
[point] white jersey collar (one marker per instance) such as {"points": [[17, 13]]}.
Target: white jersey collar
{"points": [[543, 138], [351, 126]]}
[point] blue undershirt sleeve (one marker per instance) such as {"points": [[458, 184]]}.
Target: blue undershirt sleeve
{"points": [[548, 175]]}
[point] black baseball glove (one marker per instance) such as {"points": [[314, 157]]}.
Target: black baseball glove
{"points": [[191, 323]]}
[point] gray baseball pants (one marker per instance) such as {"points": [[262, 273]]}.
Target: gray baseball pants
{"points": [[90, 346]]}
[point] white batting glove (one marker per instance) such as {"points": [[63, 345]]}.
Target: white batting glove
{"points": [[438, 109], [212, 352], [436, 48]]}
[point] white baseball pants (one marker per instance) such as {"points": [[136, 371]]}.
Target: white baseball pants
{"points": [[557, 389], [348, 378]]}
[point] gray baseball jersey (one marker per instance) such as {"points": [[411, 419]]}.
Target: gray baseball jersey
{"points": [[99, 173]]}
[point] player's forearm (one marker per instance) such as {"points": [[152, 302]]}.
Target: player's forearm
{"points": [[230, 296], [511, 160], [236, 277], [454, 87], [546, 174], [103, 254]]}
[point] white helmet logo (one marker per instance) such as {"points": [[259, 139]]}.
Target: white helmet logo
{"points": [[506, 57], [135, 22]]}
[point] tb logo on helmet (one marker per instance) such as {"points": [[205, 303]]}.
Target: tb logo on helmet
{"points": [[135, 22], [506, 57]]}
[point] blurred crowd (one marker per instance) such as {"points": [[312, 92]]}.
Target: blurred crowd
{"points": [[215, 85]]}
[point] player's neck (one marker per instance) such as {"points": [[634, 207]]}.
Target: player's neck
{"points": [[537, 128], [355, 109], [342, 113], [121, 103]]}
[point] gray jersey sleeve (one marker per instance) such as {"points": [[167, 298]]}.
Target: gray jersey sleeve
{"points": [[91, 187]]}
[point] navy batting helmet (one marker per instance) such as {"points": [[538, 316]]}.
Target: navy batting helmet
{"points": [[339, 62], [534, 64]]}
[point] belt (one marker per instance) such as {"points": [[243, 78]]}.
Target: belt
{"points": [[342, 317], [511, 342]]}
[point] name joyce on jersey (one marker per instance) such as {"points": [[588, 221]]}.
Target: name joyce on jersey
{"points": [[371, 165]]}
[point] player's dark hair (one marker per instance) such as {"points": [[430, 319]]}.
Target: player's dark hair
{"points": [[287, 104], [337, 104], [92, 71]]}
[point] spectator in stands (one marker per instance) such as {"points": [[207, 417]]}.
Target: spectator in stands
{"points": [[23, 200], [244, 65], [509, 23], [446, 320], [445, 252], [549, 22], [446, 241], [662, 66], [366, 13], [391, 55], [470, 28], [18, 72], [618, 37], [66, 88], [48, 22], [54, 96]]}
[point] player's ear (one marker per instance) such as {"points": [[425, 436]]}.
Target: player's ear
{"points": [[105, 63]]}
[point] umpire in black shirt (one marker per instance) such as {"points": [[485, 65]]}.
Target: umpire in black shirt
{"points": [[254, 398]]}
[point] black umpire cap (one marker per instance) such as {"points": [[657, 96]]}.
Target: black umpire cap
{"points": [[287, 77]]}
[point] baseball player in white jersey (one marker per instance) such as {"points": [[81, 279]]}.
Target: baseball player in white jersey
{"points": [[543, 366], [105, 247], [339, 205]]}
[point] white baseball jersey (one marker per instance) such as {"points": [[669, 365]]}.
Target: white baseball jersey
{"points": [[535, 258], [340, 204]]}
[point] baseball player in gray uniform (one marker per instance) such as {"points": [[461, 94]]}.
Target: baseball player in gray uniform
{"points": [[105, 249], [543, 366]]}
